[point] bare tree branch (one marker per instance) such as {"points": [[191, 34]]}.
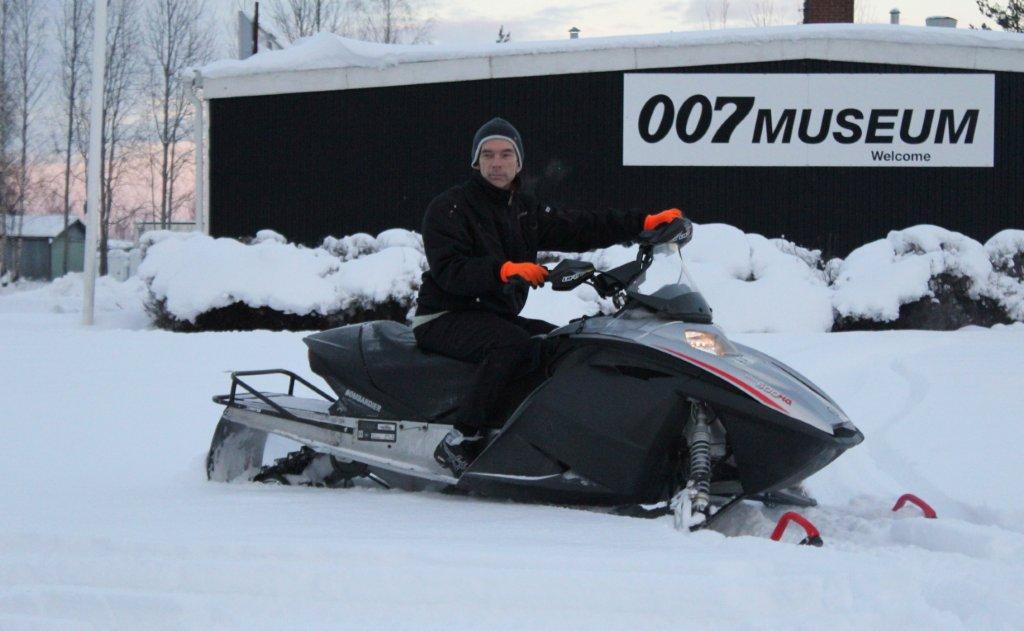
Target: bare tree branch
{"points": [[120, 91], [865, 12], [763, 13], [302, 18], [716, 13], [178, 37], [73, 31], [394, 21], [26, 40]]}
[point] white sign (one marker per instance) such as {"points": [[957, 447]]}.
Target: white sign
{"points": [[859, 120]]}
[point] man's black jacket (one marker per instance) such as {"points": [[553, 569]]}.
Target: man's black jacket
{"points": [[470, 230]]}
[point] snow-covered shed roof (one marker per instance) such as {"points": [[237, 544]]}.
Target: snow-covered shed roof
{"points": [[38, 226], [329, 62]]}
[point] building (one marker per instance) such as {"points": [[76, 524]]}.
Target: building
{"points": [[827, 134], [35, 246]]}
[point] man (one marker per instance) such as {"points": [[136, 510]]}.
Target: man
{"points": [[478, 237]]}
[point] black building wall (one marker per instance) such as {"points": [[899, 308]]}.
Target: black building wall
{"points": [[334, 163]]}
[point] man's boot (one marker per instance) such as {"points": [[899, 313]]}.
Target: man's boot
{"points": [[457, 451]]}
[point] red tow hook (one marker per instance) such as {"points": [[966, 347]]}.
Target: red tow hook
{"points": [[813, 537], [929, 512]]}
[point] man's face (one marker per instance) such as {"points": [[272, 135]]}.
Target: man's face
{"points": [[498, 162]]}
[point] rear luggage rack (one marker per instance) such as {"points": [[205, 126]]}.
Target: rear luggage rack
{"points": [[233, 399]]}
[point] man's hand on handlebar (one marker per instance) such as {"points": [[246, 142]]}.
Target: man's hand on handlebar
{"points": [[654, 220], [530, 273]]}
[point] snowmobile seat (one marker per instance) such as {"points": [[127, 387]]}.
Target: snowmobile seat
{"points": [[381, 362]]}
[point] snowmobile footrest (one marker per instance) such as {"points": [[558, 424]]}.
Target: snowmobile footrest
{"points": [[785, 498]]}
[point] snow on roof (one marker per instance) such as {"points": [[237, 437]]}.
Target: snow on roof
{"points": [[330, 62], [38, 226]]}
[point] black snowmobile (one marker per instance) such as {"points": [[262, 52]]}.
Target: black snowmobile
{"points": [[651, 409]]}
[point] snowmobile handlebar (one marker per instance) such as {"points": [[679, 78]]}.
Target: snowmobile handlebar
{"points": [[678, 231], [570, 273]]}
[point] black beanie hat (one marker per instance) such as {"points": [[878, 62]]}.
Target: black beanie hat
{"points": [[496, 128]]}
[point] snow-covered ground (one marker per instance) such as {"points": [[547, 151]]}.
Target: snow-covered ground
{"points": [[107, 522]]}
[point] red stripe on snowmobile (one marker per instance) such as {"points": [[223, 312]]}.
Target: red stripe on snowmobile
{"points": [[728, 377]]}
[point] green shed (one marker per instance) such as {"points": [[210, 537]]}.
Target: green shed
{"points": [[34, 246]]}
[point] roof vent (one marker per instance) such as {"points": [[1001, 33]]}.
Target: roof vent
{"points": [[940, 20], [894, 16], [574, 33]]}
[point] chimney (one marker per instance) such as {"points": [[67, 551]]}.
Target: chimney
{"points": [[574, 33], [828, 11], [894, 16], [940, 20]]}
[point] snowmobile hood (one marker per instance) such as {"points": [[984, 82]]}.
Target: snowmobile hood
{"points": [[706, 347]]}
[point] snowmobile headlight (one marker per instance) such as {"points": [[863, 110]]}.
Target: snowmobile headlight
{"points": [[706, 342]]}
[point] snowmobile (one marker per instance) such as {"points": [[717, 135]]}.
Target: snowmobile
{"points": [[650, 410]]}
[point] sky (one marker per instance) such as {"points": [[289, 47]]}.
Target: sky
{"points": [[460, 21], [473, 21]]}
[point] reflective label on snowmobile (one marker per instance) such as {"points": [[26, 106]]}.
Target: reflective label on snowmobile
{"points": [[376, 431], [358, 398], [773, 392]]}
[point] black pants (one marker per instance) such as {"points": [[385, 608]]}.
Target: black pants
{"points": [[504, 348]]}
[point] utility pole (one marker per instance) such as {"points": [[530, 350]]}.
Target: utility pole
{"points": [[92, 216]]}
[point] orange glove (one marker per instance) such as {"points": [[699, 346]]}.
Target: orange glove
{"points": [[653, 221], [530, 272]]}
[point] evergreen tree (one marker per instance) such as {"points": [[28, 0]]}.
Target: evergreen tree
{"points": [[1010, 19]]}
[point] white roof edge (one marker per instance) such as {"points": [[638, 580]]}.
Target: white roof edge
{"points": [[878, 44]]}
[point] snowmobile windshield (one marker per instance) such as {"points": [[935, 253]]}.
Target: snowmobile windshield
{"points": [[667, 288]]}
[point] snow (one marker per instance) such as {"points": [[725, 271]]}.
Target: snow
{"points": [[269, 235], [328, 51], [37, 226], [108, 522], [117, 305]]}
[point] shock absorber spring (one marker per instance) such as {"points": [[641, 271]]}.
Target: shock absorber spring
{"points": [[698, 437]]}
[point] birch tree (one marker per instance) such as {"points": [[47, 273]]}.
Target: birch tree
{"points": [[73, 33], [865, 12], [302, 18], [177, 37], [394, 21], [120, 93], [26, 87], [763, 13], [716, 13]]}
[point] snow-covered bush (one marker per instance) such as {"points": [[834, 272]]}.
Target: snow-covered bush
{"points": [[924, 277], [752, 283], [921, 277], [1006, 252], [200, 283]]}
